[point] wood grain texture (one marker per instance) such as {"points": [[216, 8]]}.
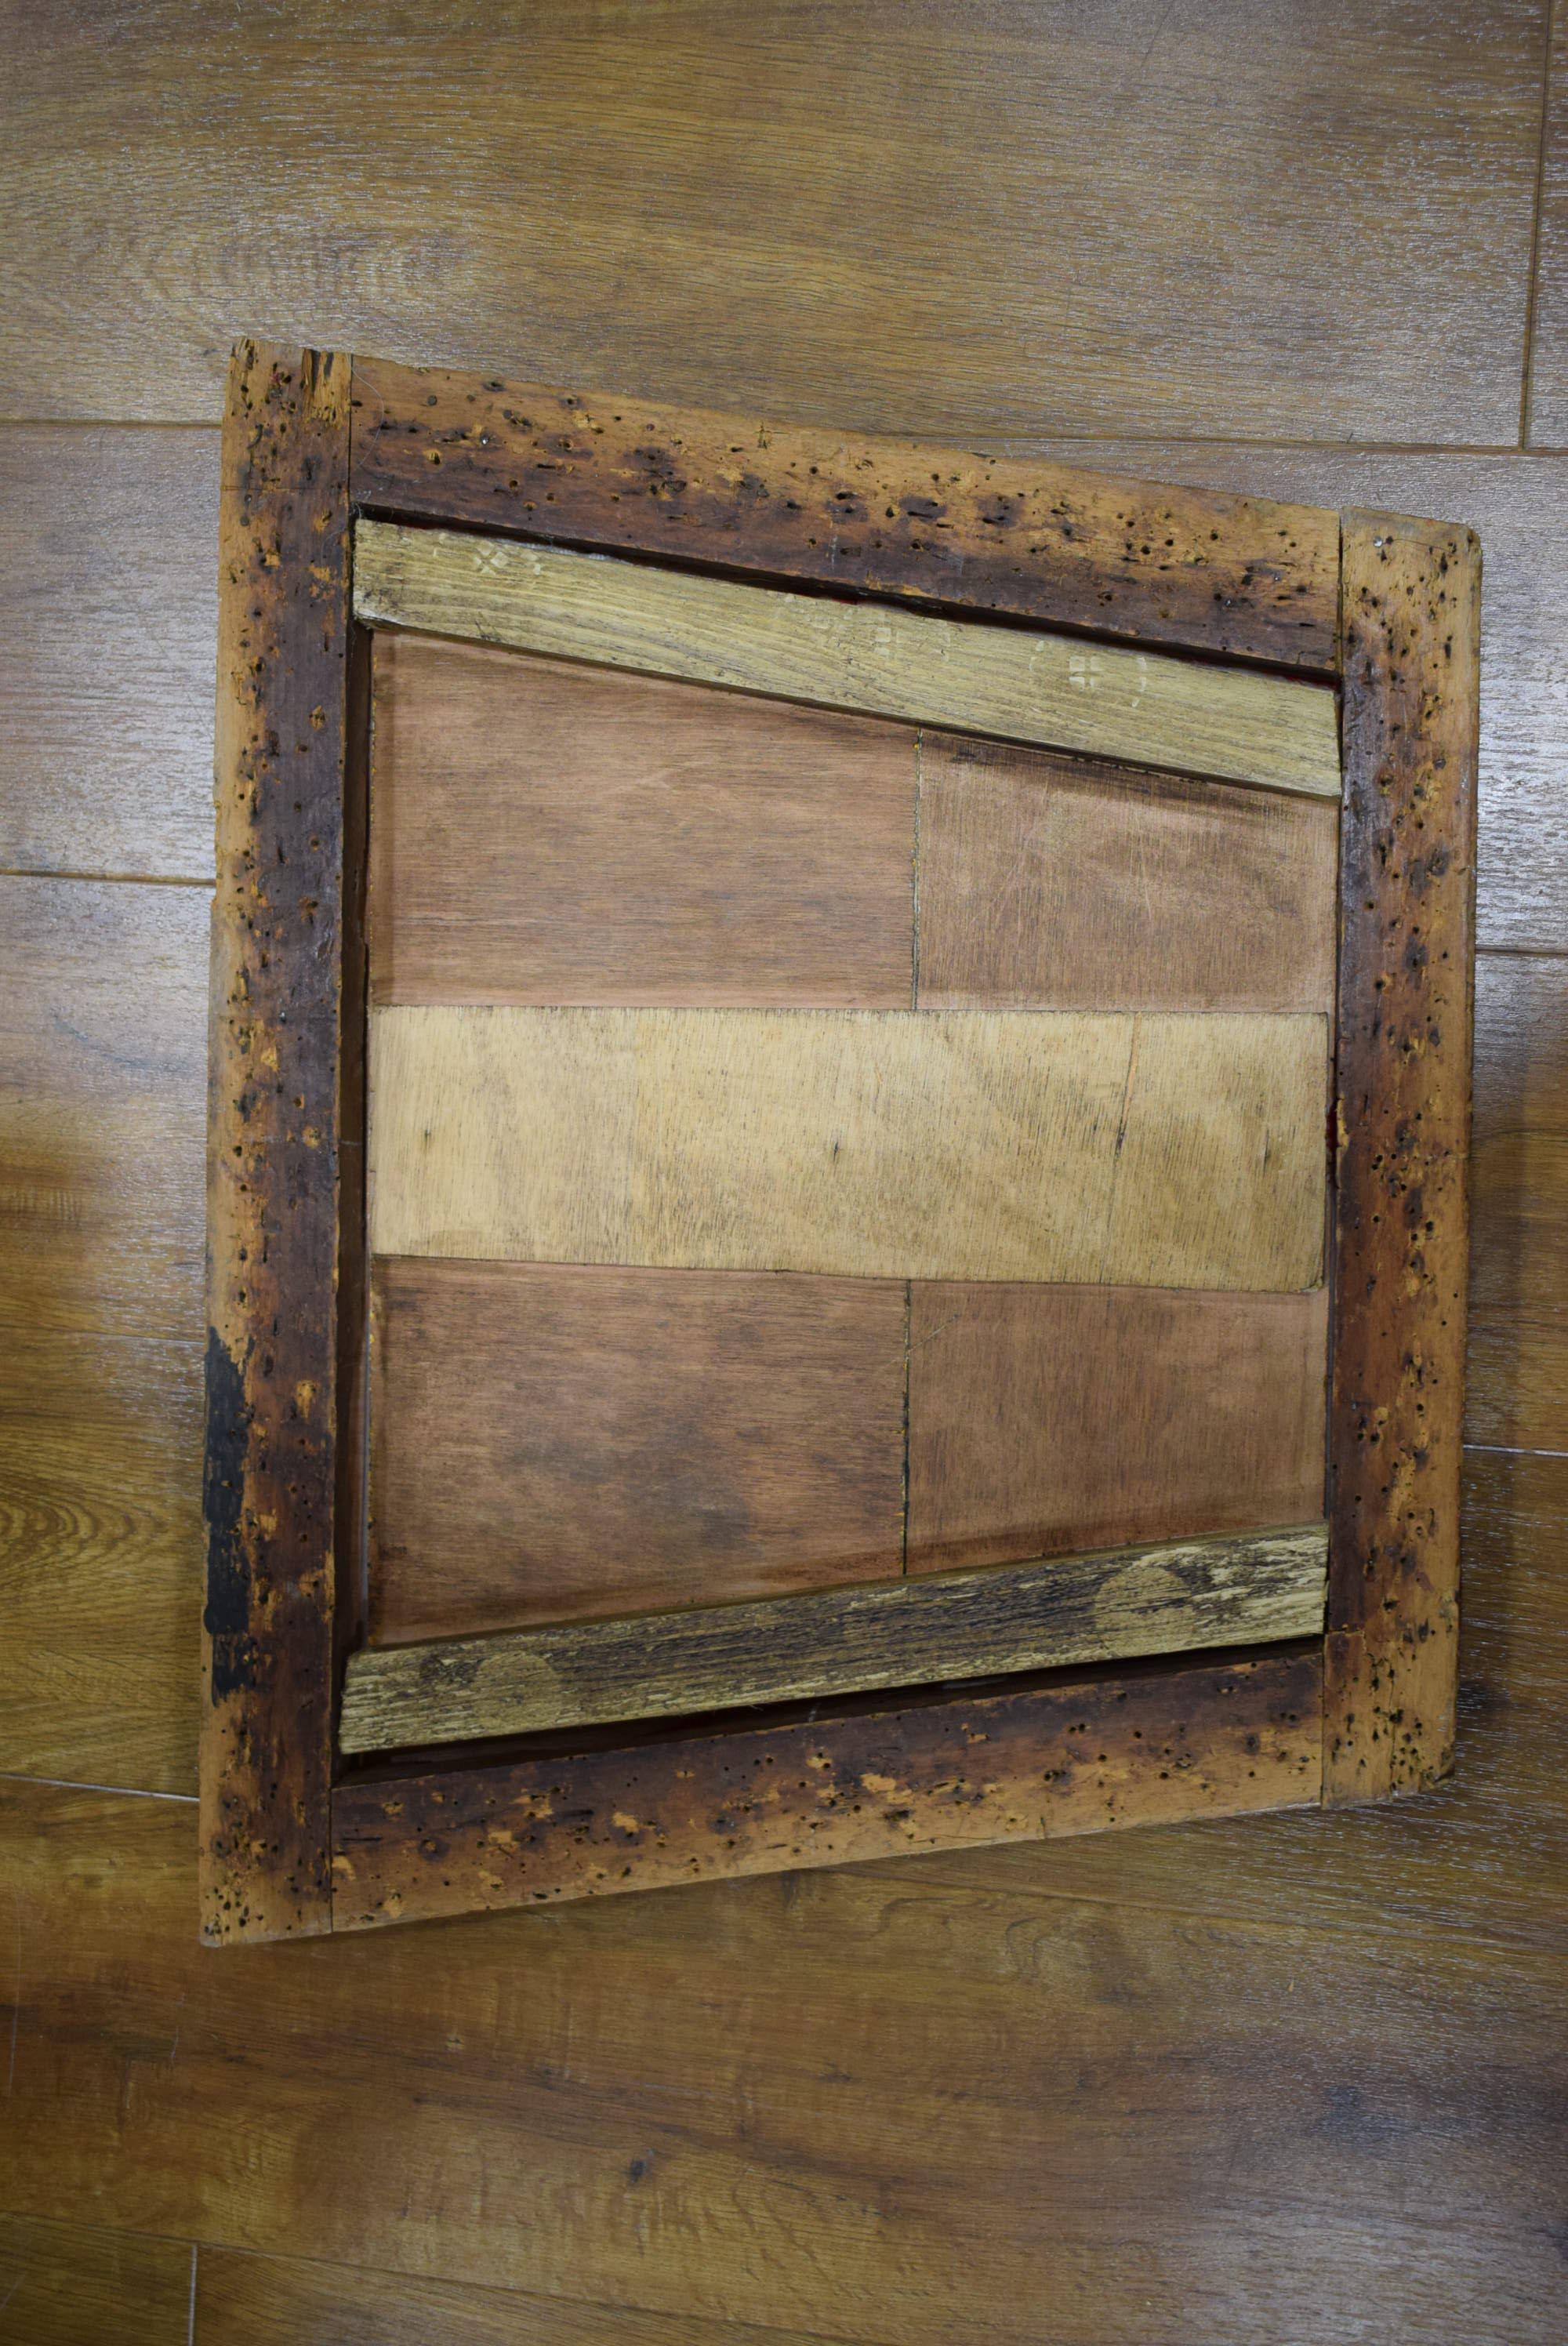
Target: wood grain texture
{"points": [[557, 1443], [994, 1766], [549, 833], [1518, 505], [1047, 883], [1546, 416], [763, 2054], [1516, 1369], [1413, 595], [652, 200], [102, 1012], [251, 2300], [1253, 1588], [1105, 700], [273, 1155], [75, 2285], [1180, 1152], [1047, 543], [106, 620], [1044, 1419]]}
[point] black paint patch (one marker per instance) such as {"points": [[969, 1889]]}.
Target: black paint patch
{"points": [[227, 1614]]}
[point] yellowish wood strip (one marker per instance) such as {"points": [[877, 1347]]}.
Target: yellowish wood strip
{"points": [[1145, 1150], [1097, 699], [1241, 1590]]}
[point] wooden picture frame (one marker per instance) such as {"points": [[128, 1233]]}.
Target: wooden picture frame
{"points": [[296, 1838]]}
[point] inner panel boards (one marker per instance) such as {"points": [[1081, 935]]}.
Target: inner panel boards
{"points": [[551, 835]]}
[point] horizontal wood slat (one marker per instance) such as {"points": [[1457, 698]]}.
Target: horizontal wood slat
{"points": [[1154, 1151], [1024, 1763], [974, 676], [1248, 1589]]}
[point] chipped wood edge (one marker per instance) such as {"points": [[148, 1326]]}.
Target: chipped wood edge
{"points": [[1014, 1763], [1227, 724], [1236, 578], [273, 1146], [1243, 1588], [1411, 650]]}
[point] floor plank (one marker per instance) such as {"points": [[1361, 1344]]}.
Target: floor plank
{"points": [[877, 2105], [249, 2301], [1517, 1366], [1045, 1419], [555, 1443], [102, 1132], [1546, 424], [109, 612], [70, 2285], [547, 833], [825, 216]]}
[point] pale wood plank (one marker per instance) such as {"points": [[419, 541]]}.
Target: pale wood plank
{"points": [[1096, 698], [552, 1441], [1243, 1590], [551, 833], [1052, 883], [1046, 1419], [1163, 1151]]}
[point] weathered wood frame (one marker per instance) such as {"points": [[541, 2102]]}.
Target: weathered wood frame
{"points": [[293, 1840]]}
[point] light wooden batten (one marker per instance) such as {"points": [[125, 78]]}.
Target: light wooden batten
{"points": [[1242, 1590], [1118, 1147], [1098, 699]]}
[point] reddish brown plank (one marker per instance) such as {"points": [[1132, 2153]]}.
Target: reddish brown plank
{"points": [[548, 833], [1049, 1419], [273, 1153], [1009, 1766], [1218, 574], [555, 1442], [1050, 882], [1413, 595]]}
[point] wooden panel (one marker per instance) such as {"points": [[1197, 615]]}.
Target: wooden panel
{"points": [[1516, 1372], [1413, 612], [68, 2285], [879, 515], [106, 617], [652, 201], [1250, 1589], [1047, 883], [273, 1167], [1045, 1419], [881, 661], [248, 2301], [997, 1765], [703, 2105], [550, 833], [555, 1443], [946, 1144], [1546, 416]]}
